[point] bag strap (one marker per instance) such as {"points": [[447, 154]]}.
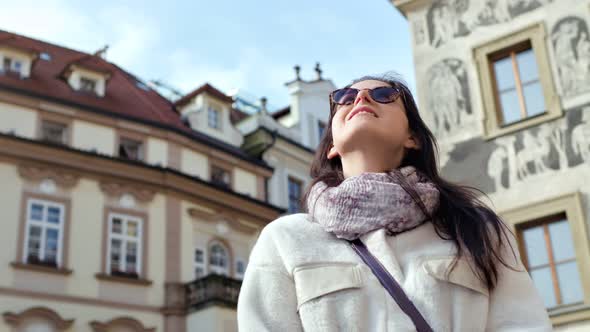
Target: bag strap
{"points": [[392, 287]]}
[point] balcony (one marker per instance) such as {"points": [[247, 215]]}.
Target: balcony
{"points": [[212, 290]]}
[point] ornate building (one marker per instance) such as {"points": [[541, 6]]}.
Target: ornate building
{"points": [[505, 85], [124, 211]]}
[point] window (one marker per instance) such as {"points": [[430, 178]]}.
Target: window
{"points": [[220, 176], [87, 85], [53, 132], [553, 240], [550, 258], [321, 128], [518, 90], [218, 259], [199, 262], [240, 269], [130, 149], [213, 118], [44, 233], [10, 65], [294, 194], [516, 82], [124, 246]]}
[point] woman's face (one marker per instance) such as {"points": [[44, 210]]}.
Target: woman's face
{"points": [[385, 131]]}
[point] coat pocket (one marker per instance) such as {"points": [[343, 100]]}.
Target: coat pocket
{"points": [[461, 274], [321, 279]]}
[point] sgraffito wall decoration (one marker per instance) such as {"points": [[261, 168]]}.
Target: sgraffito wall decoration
{"points": [[448, 19], [501, 163], [571, 43], [448, 98]]}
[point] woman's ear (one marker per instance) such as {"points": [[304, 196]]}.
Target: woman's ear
{"points": [[332, 152], [412, 143]]}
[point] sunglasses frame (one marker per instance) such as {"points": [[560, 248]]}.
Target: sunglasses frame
{"points": [[399, 93]]}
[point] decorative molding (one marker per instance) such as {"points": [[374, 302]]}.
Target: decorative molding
{"points": [[132, 281], [37, 174], [41, 268], [16, 320], [121, 322], [115, 189]]}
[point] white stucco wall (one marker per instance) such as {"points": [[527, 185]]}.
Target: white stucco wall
{"points": [[20, 120], [245, 182], [157, 152], [89, 136], [194, 163]]}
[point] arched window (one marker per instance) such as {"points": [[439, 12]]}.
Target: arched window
{"points": [[218, 259]]}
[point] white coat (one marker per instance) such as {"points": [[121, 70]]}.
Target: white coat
{"points": [[300, 277]]}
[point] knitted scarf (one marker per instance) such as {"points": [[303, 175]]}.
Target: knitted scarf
{"points": [[370, 201]]}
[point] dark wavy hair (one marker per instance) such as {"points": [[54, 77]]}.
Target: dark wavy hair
{"points": [[461, 216]]}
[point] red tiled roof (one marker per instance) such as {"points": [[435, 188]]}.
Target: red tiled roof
{"points": [[204, 88], [282, 112], [236, 115], [123, 94]]}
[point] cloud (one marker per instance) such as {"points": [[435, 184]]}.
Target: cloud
{"points": [[253, 72], [130, 36]]}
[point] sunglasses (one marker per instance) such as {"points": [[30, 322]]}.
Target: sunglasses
{"points": [[382, 94]]}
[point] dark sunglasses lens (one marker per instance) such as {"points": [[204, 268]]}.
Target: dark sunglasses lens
{"points": [[345, 96], [385, 94]]}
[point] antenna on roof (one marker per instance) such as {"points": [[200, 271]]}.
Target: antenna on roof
{"points": [[101, 52], [167, 87]]}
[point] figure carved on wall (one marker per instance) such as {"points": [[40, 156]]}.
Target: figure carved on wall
{"points": [[419, 33], [496, 166], [448, 19], [581, 137], [572, 53], [535, 148], [448, 97]]}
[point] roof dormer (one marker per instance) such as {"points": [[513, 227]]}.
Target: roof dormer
{"points": [[208, 110], [89, 74], [16, 59]]}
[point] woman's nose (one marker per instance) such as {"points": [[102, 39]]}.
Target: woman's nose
{"points": [[362, 95]]}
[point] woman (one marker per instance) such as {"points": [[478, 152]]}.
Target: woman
{"points": [[375, 178]]}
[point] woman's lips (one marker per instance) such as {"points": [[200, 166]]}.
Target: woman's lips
{"points": [[361, 109]]}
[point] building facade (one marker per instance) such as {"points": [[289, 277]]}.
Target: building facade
{"points": [[122, 210], [505, 86]]}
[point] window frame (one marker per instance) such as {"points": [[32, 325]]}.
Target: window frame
{"points": [[202, 264], [321, 129], [228, 266], [124, 238], [44, 226], [552, 264], [88, 79], [143, 277], [220, 165], [125, 134], [64, 134], [571, 205], [291, 178], [238, 274], [57, 118], [536, 35], [20, 258], [218, 117]]}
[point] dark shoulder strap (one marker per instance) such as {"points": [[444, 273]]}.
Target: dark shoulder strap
{"points": [[392, 287]]}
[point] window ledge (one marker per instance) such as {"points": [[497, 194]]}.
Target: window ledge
{"points": [[41, 268], [108, 277], [520, 125], [569, 314]]}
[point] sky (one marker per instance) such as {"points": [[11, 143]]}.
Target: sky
{"points": [[247, 45]]}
